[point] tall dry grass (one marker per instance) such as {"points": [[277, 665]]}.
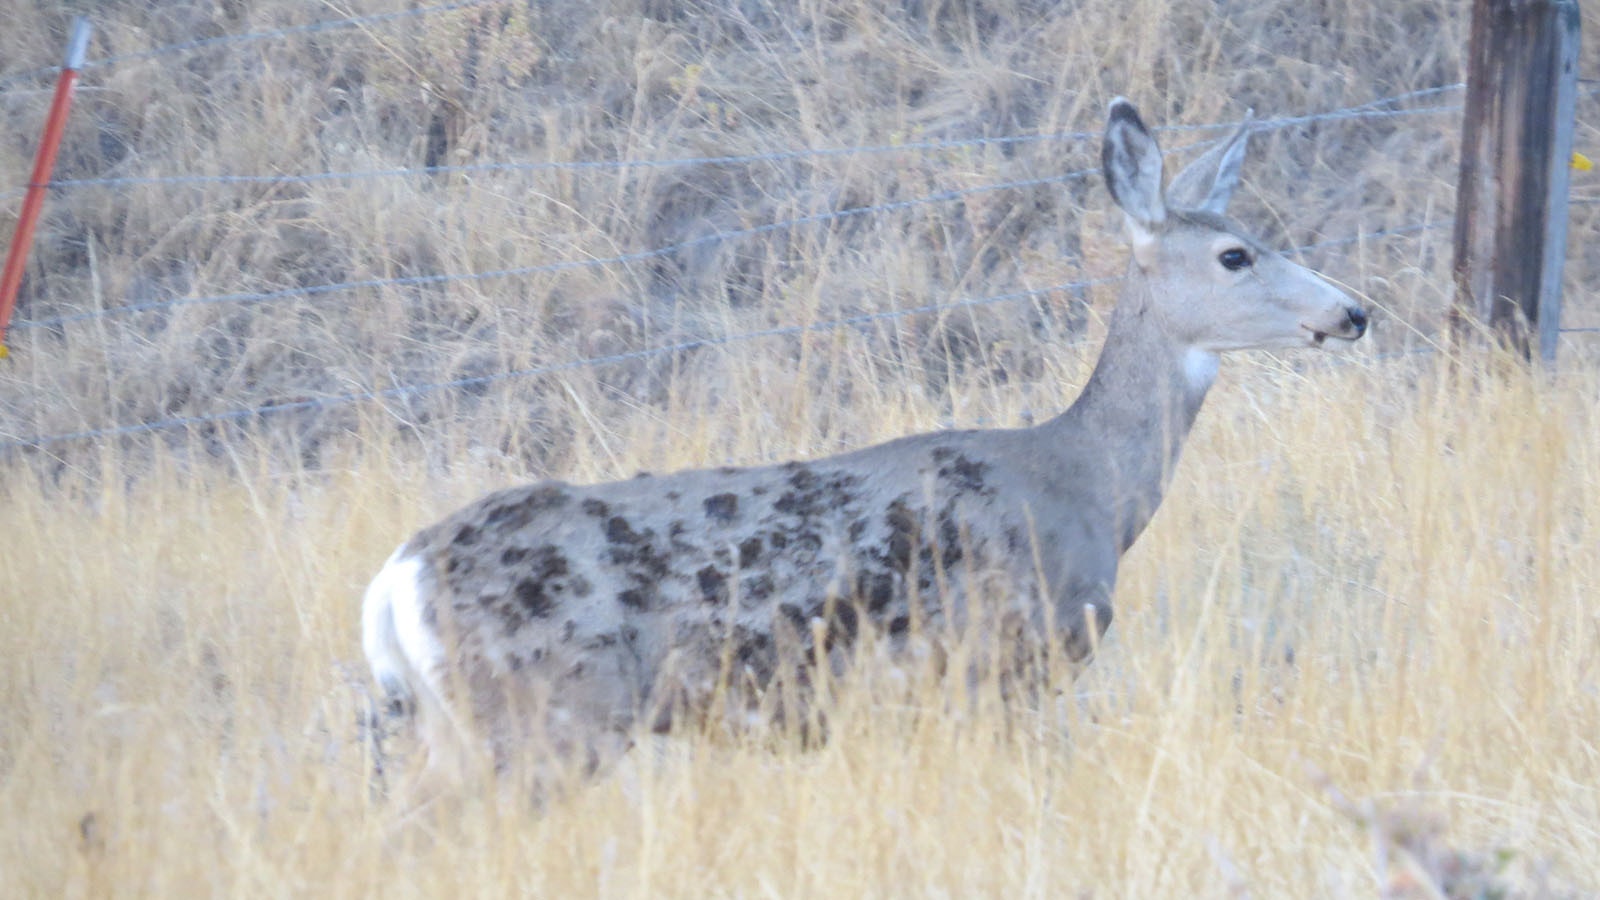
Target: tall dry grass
{"points": [[182, 690], [626, 80], [1354, 653]]}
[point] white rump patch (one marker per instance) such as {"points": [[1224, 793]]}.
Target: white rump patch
{"points": [[395, 639], [1200, 368]]}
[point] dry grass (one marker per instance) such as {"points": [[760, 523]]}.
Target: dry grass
{"points": [[179, 678], [179, 660]]}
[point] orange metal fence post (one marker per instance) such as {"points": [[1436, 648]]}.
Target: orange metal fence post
{"points": [[43, 164]]}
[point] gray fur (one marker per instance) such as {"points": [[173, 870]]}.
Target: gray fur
{"points": [[1207, 183], [579, 615], [1132, 164]]}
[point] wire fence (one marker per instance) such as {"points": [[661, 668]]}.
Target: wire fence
{"points": [[1389, 107], [548, 268], [1370, 110], [697, 343], [325, 25]]}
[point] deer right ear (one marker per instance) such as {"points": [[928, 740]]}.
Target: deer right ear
{"points": [[1208, 182], [1132, 163]]}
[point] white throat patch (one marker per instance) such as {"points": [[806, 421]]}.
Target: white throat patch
{"points": [[1200, 368]]}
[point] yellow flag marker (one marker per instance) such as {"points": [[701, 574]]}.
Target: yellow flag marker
{"points": [[1580, 162], [4, 352]]}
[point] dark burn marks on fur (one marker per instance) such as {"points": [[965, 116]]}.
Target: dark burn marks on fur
{"points": [[914, 546], [618, 531], [811, 508], [749, 552], [533, 598], [843, 623], [797, 628], [509, 517], [713, 584], [777, 569], [643, 564], [545, 570], [541, 581], [795, 617], [960, 472], [811, 558], [754, 654], [811, 495], [495, 560], [756, 588], [510, 511], [951, 542], [1016, 541], [905, 533], [722, 508], [876, 590]]}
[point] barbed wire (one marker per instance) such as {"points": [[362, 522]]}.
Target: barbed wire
{"points": [[253, 36], [552, 368], [546, 268], [643, 255], [615, 358], [1368, 110], [1384, 232], [1356, 112]]}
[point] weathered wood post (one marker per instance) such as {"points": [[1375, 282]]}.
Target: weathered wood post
{"points": [[1516, 148]]}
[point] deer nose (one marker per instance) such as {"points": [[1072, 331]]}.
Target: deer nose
{"points": [[1358, 320]]}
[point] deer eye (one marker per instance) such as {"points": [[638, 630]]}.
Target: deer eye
{"points": [[1235, 259]]}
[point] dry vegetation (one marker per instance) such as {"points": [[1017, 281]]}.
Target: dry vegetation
{"points": [[1371, 580]]}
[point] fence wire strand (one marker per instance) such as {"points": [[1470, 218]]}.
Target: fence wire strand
{"points": [[248, 297], [254, 36], [1370, 110], [546, 268], [409, 390], [1382, 108], [552, 368]]}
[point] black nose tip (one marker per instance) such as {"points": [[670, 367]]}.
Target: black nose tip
{"points": [[1358, 320]]}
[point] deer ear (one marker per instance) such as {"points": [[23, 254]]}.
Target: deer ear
{"points": [[1208, 182], [1132, 163]]}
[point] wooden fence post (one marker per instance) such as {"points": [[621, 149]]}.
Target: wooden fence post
{"points": [[1516, 148]]}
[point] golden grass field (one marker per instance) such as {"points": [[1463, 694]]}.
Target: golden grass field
{"points": [[1354, 655]]}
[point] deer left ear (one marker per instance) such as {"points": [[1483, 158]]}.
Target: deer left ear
{"points": [[1208, 182], [1132, 163]]}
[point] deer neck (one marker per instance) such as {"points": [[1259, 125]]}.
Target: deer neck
{"points": [[1128, 425]]}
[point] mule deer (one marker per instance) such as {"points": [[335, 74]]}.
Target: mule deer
{"points": [[573, 617]]}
